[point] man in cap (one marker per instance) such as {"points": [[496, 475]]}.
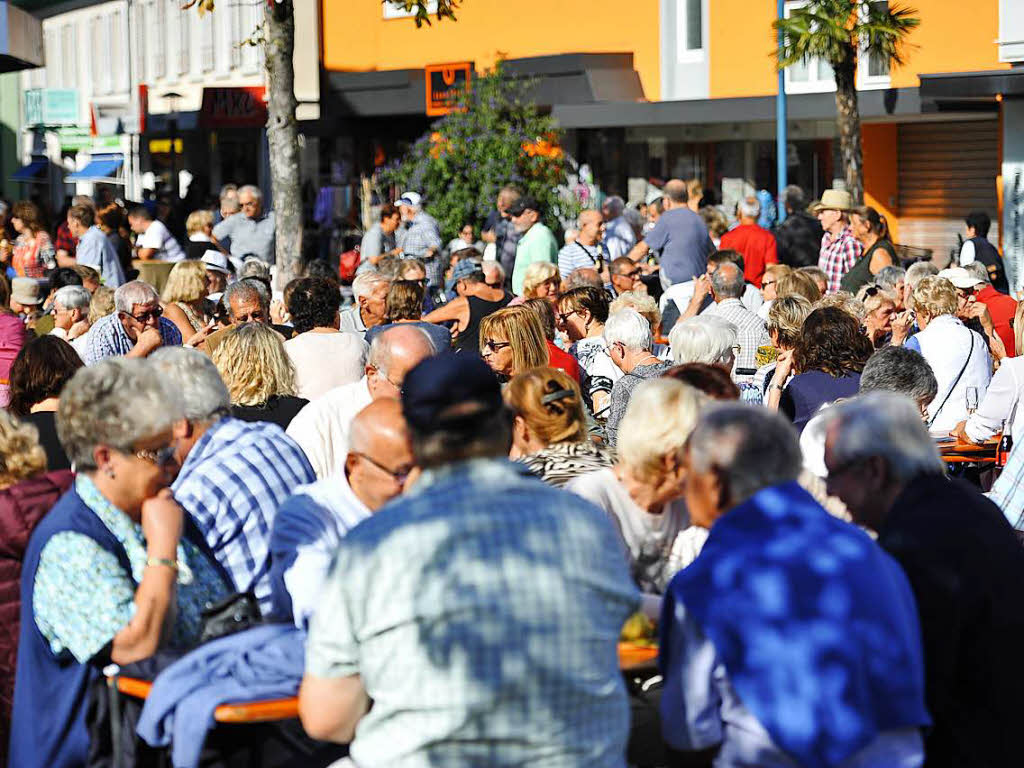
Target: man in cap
{"points": [[840, 250], [976, 296], [488, 675], [421, 237], [536, 243]]}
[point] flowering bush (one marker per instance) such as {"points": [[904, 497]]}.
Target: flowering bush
{"points": [[496, 136]]}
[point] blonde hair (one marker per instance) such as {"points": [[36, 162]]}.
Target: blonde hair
{"points": [[873, 299], [934, 297], [694, 189], [560, 419], [101, 304], [197, 221], [252, 361], [21, 456], [536, 275], [186, 282], [797, 283], [845, 301], [778, 270], [1018, 328], [643, 303], [659, 419], [786, 319], [521, 327]]}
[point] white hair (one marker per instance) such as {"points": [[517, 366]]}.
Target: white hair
{"points": [[918, 271], [660, 416], [136, 292], [629, 328], [615, 205], [703, 339], [72, 297], [251, 190], [749, 208], [750, 447], [365, 282], [884, 424], [493, 267], [194, 375]]}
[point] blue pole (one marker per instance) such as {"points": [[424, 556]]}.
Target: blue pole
{"points": [[780, 125]]}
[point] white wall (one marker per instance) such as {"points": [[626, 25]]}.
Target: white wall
{"points": [[1011, 30]]}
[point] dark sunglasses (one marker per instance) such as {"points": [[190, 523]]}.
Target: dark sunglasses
{"points": [[145, 317], [496, 346]]}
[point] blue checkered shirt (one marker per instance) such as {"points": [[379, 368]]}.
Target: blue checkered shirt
{"points": [[234, 479], [108, 338], [482, 610], [423, 234]]}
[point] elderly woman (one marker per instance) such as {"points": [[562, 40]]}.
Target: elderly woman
{"points": [[116, 570], [958, 356], [643, 492], [27, 492], [785, 324], [891, 280], [648, 309], [324, 357], [540, 281], [879, 308], [512, 341], [828, 359], [582, 313], [184, 298], [549, 433], [259, 376], [798, 283], [704, 339], [38, 376], [33, 253], [404, 304]]}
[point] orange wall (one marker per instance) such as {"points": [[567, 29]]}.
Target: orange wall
{"points": [[881, 172], [741, 43], [357, 38]]}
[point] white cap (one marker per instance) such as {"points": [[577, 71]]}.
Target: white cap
{"points": [[410, 198], [216, 261], [960, 277]]}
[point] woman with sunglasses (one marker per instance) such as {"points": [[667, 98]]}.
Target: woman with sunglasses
{"points": [[512, 341], [116, 571], [582, 313]]}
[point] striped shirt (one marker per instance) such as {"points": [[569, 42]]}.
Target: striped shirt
{"points": [[576, 255]]}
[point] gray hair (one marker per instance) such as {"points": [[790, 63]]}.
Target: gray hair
{"points": [[383, 344], [888, 277], [72, 297], [204, 395], [246, 290], [918, 271], [365, 283], [660, 416], [136, 292], [978, 270], [254, 267], [629, 328], [118, 402], [703, 339], [614, 204], [749, 208], [727, 281], [887, 425], [584, 277], [901, 370], [251, 190], [752, 448], [491, 266]]}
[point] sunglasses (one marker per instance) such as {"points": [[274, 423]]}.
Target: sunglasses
{"points": [[496, 346], [632, 275], [160, 458], [766, 283], [145, 317]]}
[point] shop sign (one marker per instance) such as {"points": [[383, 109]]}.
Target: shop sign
{"points": [[163, 147], [74, 139], [51, 106], [243, 106], [445, 85]]}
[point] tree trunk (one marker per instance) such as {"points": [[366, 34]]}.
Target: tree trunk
{"points": [[848, 121], [283, 138]]}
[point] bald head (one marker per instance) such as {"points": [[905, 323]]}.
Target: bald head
{"points": [[394, 353], [380, 453], [675, 192], [378, 428]]}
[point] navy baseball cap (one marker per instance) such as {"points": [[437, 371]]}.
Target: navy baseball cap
{"points": [[449, 388], [526, 203]]}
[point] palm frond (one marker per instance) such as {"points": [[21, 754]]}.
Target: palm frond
{"points": [[884, 31]]}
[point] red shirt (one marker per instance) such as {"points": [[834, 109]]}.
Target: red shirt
{"points": [[1002, 309], [757, 245], [563, 361]]}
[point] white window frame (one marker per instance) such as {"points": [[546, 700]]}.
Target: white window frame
{"points": [[817, 85], [397, 12], [686, 55], [207, 44], [118, 50], [184, 40], [159, 40], [866, 81]]}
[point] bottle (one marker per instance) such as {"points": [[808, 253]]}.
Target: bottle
{"points": [[1005, 447]]}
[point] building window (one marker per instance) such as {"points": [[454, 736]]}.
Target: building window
{"points": [[873, 69], [397, 11], [809, 76], [690, 30], [160, 40], [68, 53], [119, 66], [184, 39]]}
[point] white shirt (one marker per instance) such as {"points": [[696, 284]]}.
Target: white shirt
{"points": [[159, 237], [1002, 402], [324, 361], [322, 428], [967, 255]]}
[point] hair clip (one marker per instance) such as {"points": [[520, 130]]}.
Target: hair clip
{"points": [[551, 397]]}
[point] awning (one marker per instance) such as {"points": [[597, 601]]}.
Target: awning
{"points": [[101, 168], [31, 173]]}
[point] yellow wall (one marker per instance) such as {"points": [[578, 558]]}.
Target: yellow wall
{"points": [[881, 172], [357, 38]]}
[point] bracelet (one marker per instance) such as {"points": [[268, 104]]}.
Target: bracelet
{"points": [[156, 561], [780, 387]]}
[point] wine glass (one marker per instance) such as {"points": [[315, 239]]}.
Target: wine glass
{"points": [[972, 400]]}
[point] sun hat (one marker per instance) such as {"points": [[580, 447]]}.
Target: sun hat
{"points": [[835, 200], [960, 277], [26, 290]]}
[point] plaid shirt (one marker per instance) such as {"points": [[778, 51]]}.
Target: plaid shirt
{"points": [[837, 256], [750, 334], [1008, 490], [233, 481], [482, 609], [422, 235], [65, 241], [107, 338]]}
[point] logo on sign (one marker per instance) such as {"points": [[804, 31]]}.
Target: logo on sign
{"points": [[233, 106], [446, 83]]}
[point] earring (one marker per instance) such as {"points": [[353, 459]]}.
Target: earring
{"points": [[110, 472]]}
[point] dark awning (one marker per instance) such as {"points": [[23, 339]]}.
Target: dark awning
{"points": [[100, 168], [964, 86], [31, 173]]}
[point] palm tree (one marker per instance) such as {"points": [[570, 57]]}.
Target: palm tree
{"points": [[837, 31]]}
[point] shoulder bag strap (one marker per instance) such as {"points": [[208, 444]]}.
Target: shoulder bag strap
{"points": [[956, 381]]}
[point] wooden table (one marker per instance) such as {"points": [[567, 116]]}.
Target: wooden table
{"points": [[959, 452], [633, 657], [253, 712]]}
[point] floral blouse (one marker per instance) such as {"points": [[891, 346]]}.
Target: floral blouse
{"points": [[33, 255]]}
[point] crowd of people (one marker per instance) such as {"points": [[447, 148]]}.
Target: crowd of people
{"points": [[430, 484]]}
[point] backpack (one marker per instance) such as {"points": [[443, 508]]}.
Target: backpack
{"points": [[348, 263]]}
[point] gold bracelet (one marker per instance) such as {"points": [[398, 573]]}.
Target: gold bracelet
{"points": [[155, 561]]}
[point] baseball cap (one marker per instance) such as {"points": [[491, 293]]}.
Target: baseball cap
{"points": [[525, 204], [409, 198], [447, 390], [216, 261], [960, 277], [465, 268]]}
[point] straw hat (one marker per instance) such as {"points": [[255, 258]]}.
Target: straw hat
{"points": [[835, 200], [27, 291]]}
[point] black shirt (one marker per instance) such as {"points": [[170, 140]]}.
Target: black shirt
{"points": [[46, 423], [278, 410]]}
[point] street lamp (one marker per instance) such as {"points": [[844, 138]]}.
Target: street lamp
{"points": [[172, 124]]}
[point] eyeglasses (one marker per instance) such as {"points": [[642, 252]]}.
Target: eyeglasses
{"points": [[145, 317], [160, 458], [495, 346], [563, 316], [250, 204], [766, 283], [833, 474], [399, 475], [632, 275]]}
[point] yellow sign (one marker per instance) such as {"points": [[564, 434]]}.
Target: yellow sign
{"points": [[163, 146]]}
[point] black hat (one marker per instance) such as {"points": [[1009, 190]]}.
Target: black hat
{"points": [[525, 204], [447, 389]]}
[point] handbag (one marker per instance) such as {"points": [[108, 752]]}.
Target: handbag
{"points": [[229, 615], [956, 381]]}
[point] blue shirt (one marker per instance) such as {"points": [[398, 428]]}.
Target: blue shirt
{"points": [[482, 610], [108, 338], [96, 251], [234, 479], [439, 335], [682, 239]]}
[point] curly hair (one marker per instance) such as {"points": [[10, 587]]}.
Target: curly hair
{"points": [[593, 300], [786, 318], [797, 283], [550, 403], [643, 303], [935, 296], [102, 304], [313, 303], [404, 301], [832, 341], [29, 214], [252, 361], [41, 369], [21, 456]]}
